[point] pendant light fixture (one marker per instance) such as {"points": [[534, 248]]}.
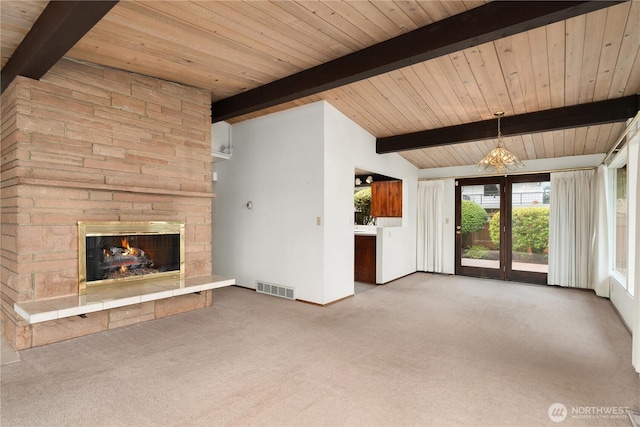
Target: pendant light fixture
{"points": [[499, 158]]}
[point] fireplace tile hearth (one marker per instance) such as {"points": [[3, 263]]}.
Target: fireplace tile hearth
{"points": [[61, 307]]}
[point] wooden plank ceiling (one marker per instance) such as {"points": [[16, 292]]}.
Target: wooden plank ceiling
{"points": [[230, 47]]}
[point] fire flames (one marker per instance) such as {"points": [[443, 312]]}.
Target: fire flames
{"points": [[129, 250], [125, 245]]}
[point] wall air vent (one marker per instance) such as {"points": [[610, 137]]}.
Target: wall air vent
{"points": [[275, 290]]}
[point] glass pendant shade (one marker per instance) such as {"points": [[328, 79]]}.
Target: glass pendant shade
{"points": [[499, 158]]}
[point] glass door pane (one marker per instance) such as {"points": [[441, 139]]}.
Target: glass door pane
{"points": [[502, 227], [530, 226], [480, 208]]}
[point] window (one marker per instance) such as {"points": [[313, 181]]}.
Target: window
{"points": [[623, 198], [619, 221], [492, 190], [621, 233]]}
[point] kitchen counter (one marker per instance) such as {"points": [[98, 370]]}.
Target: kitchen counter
{"points": [[365, 232]]}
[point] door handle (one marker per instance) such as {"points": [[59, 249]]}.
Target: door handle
{"points": [[458, 232]]}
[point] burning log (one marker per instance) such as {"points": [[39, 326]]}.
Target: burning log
{"points": [[124, 261]]}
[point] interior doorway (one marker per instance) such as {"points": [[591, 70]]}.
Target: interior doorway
{"points": [[502, 227]]}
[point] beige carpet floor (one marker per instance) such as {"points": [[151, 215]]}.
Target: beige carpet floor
{"points": [[423, 350]]}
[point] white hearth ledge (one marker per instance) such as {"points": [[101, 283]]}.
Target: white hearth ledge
{"points": [[43, 310]]}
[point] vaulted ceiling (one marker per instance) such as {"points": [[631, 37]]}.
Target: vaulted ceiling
{"points": [[421, 71]]}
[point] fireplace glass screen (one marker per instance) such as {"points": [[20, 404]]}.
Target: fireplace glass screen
{"points": [[118, 257], [117, 252]]}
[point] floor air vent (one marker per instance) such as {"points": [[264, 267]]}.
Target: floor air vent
{"points": [[275, 290]]}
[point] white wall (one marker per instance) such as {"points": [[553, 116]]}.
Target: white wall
{"points": [[277, 164], [633, 199], [297, 167], [623, 302], [393, 259], [396, 246], [449, 227], [338, 200]]}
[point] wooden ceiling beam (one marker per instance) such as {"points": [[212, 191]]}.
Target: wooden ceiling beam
{"points": [[595, 113], [58, 28], [492, 21]]}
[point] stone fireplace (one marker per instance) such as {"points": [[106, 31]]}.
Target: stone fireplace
{"points": [[91, 144], [119, 253]]}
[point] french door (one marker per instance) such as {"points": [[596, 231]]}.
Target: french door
{"points": [[502, 227]]}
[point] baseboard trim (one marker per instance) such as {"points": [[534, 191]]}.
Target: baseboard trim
{"points": [[402, 277], [327, 304], [620, 317]]}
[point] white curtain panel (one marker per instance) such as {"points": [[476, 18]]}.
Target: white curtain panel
{"points": [[430, 207], [600, 262], [571, 228]]}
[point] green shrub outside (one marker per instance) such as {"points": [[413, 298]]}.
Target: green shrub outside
{"points": [[476, 252], [474, 217], [529, 230], [494, 229], [362, 202]]}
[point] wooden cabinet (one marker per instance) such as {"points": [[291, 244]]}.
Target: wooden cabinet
{"points": [[379, 198], [365, 259], [395, 198], [386, 199]]}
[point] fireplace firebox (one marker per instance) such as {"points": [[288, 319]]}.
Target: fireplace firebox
{"points": [[113, 253]]}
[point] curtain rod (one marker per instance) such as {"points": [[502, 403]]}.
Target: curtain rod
{"points": [[515, 173], [616, 146]]}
